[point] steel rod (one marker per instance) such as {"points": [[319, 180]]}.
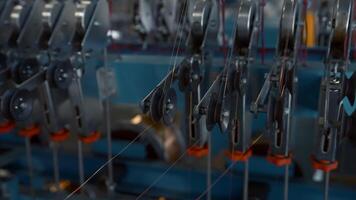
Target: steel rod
{"points": [[29, 164], [326, 185], [286, 181], [80, 163], [55, 165], [246, 180], [109, 141]]}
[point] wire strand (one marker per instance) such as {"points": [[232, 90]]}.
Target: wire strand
{"points": [[225, 172], [107, 162], [165, 172]]}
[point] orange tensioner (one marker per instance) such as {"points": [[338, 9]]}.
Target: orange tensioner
{"points": [[6, 127], [93, 137], [324, 165], [196, 151], [30, 131], [280, 160], [60, 135], [238, 156]]}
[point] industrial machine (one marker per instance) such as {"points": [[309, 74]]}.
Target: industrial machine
{"points": [[168, 99]]}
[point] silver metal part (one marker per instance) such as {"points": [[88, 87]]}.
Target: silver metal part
{"points": [[12, 19], [332, 87], [199, 23], [97, 30], [60, 41], [288, 31]]}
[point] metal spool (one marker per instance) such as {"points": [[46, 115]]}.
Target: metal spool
{"points": [[25, 70], [156, 111], [245, 24], [169, 106], [17, 105], [288, 28], [200, 19], [341, 29], [61, 74]]}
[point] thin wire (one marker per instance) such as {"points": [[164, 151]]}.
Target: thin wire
{"points": [[107, 162], [165, 172], [175, 50], [226, 171], [216, 181], [230, 54], [180, 30]]}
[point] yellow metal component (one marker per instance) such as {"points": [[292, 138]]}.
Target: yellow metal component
{"points": [[309, 31]]}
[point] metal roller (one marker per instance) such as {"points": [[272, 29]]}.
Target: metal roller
{"points": [[288, 28], [341, 29], [199, 23], [245, 25]]}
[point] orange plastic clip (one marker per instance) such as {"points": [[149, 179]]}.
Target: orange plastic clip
{"points": [[6, 127], [324, 165], [60, 135], [93, 137], [238, 156], [279, 160], [197, 151], [30, 131]]}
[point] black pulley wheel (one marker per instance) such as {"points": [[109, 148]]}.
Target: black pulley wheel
{"points": [[156, 108], [61, 74], [213, 113], [184, 76], [169, 104], [288, 27], [245, 24], [17, 105], [341, 29], [25, 70]]}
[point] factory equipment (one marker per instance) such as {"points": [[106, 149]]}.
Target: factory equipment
{"points": [[134, 95]]}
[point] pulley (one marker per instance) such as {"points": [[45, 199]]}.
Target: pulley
{"points": [[61, 74], [169, 106], [163, 106], [16, 105], [340, 36], [288, 31], [25, 69], [245, 24]]}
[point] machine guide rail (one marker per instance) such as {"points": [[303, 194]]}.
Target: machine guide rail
{"points": [[335, 90], [225, 103], [161, 102], [279, 88]]}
